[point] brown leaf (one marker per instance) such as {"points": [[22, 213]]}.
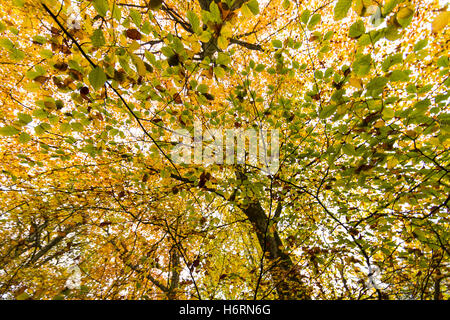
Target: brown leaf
{"points": [[120, 75], [173, 60], [133, 34], [105, 223], [61, 66], [99, 116], [55, 31], [160, 88], [177, 98], [41, 79], [180, 119], [204, 177], [58, 83], [77, 75], [84, 91], [196, 263], [208, 96]]}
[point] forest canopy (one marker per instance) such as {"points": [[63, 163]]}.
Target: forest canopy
{"points": [[95, 96]]}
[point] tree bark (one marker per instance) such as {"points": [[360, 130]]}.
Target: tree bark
{"points": [[285, 275]]}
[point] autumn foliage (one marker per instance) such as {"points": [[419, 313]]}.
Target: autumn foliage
{"points": [[93, 207]]}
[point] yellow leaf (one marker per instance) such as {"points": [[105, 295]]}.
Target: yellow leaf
{"points": [[134, 46], [246, 11], [405, 13], [222, 43], [139, 65], [379, 124], [392, 162], [440, 21], [411, 133], [205, 36], [342, 109], [220, 73], [226, 30], [355, 82]]}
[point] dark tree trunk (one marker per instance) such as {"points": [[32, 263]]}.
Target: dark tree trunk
{"points": [[286, 277]]}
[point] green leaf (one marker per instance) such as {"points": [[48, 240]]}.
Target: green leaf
{"points": [[219, 72], [277, 43], [315, 19], [443, 62], [341, 9], [41, 128], [388, 113], [97, 78], [389, 6], [136, 17], [391, 60], [349, 149], [223, 59], [24, 138], [17, 55], [260, 67], [305, 16], [146, 27], [101, 6], [18, 3], [202, 88], [116, 12], [328, 35], [327, 111], [23, 296], [377, 83], [6, 43], [25, 118], [398, 75], [420, 44], [65, 127], [404, 16], [46, 53], [391, 33], [420, 234], [77, 126], [8, 131], [253, 6], [39, 39], [356, 29], [362, 65], [14, 53], [194, 21], [215, 12], [422, 106], [40, 114], [97, 38]]}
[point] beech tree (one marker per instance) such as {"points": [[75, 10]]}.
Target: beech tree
{"points": [[93, 96]]}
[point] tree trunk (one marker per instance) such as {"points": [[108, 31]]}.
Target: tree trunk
{"points": [[285, 275]]}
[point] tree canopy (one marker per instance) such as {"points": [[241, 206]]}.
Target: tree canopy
{"points": [[93, 206]]}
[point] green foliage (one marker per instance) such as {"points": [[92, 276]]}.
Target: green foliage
{"points": [[97, 78], [341, 9]]}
